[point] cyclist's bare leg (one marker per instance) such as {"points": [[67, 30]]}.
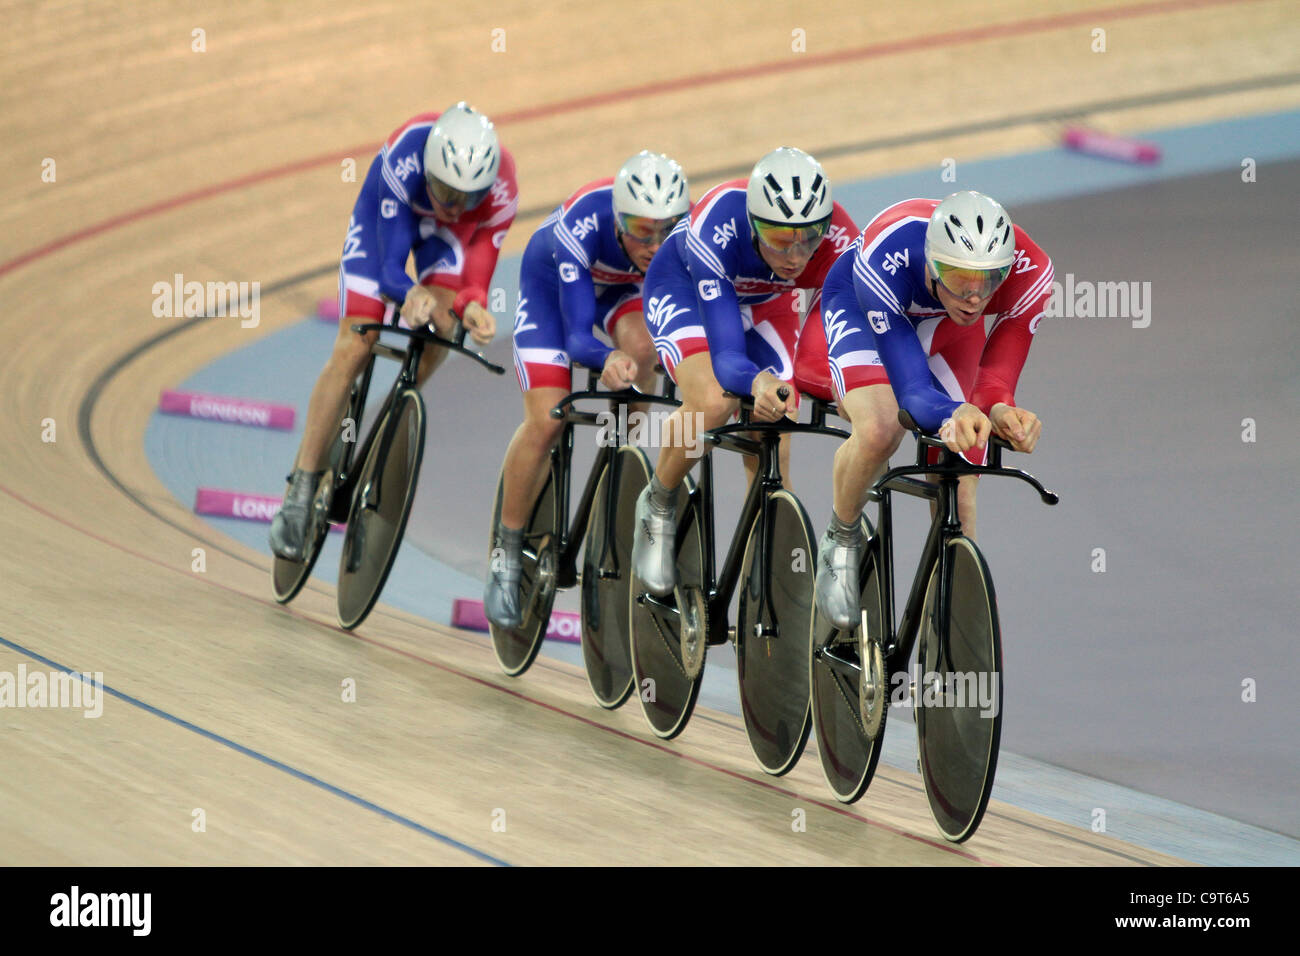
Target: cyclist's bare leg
{"points": [[873, 414], [330, 395], [703, 407], [525, 467]]}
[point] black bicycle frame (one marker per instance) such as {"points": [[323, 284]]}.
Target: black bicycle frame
{"points": [[407, 376], [756, 505], [946, 524], [572, 533]]}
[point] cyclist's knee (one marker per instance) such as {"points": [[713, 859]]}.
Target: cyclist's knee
{"points": [[875, 438], [352, 350], [713, 406], [542, 431]]}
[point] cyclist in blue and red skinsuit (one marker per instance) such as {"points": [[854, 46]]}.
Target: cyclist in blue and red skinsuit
{"points": [[441, 188], [722, 306], [903, 314], [579, 294]]}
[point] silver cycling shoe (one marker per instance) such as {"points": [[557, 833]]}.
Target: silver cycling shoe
{"points": [[653, 553], [837, 581]]}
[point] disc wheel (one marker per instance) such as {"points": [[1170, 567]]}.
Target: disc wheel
{"points": [[959, 696], [658, 625], [848, 753], [381, 504], [516, 648], [772, 644], [607, 579]]}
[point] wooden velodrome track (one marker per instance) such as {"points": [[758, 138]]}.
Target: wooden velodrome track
{"points": [[225, 165]]}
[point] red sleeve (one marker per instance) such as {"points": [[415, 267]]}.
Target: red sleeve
{"points": [[1019, 305], [485, 244], [839, 237]]}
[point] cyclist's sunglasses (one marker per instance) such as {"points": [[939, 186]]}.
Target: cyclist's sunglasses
{"points": [[964, 282], [790, 240], [449, 196], [644, 230]]}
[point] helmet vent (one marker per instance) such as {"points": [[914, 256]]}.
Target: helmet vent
{"points": [[979, 223], [948, 229], [795, 186]]}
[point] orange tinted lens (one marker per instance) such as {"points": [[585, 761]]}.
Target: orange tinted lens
{"points": [[964, 283], [789, 238], [643, 229]]}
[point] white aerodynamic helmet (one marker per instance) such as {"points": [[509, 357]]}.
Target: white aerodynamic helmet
{"points": [[789, 188], [970, 231], [462, 155], [651, 185]]}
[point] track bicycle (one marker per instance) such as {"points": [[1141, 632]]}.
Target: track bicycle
{"points": [[772, 558], [951, 616], [553, 539], [374, 499]]}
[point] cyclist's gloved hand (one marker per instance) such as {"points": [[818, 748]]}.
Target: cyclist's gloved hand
{"points": [[417, 307], [769, 406], [479, 322], [1019, 426], [620, 371], [968, 428]]}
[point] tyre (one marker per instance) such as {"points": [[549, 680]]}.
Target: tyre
{"points": [[516, 648], [670, 634], [959, 694], [836, 673], [607, 579], [773, 668], [381, 504]]}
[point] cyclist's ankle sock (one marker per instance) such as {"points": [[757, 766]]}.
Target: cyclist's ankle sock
{"points": [[512, 541], [302, 484], [661, 498], [846, 535]]}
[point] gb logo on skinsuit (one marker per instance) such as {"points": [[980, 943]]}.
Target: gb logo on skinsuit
{"points": [[878, 321], [568, 272], [709, 289], [388, 208]]}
